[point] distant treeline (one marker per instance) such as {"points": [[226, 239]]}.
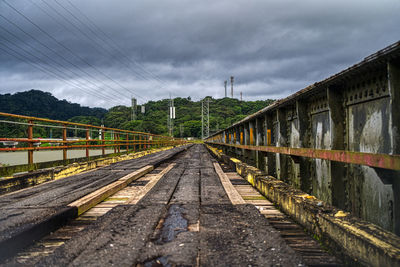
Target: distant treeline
{"points": [[223, 112]]}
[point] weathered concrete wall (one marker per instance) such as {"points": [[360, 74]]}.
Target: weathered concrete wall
{"points": [[356, 110]]}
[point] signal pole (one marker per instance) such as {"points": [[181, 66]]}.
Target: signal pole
{"points": [[231, 86], [205, 118]]}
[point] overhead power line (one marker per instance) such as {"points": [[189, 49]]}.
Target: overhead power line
{"points": [[47, 47], [55, 66], [49, 72], [92, 42], [98, 39], [114, 44], [69, 50]]}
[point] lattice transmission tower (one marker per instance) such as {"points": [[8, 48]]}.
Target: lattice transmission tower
{"points": [[205, 118]]}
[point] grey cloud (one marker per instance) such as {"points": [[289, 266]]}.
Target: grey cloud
{"points": [[273, 48]]}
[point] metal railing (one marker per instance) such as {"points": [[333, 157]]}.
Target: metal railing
{"points": [[84, 136]]}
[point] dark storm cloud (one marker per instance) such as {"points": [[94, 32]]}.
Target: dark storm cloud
{"points": [[273, 48]]}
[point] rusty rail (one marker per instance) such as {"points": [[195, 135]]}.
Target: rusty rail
{"points": [[128, 140], [384, 161]]}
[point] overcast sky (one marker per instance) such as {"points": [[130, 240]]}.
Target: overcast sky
{"points": [[100, 53]]}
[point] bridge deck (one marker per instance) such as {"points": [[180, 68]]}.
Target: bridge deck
{"points": [[23, 211], [186, 218]]}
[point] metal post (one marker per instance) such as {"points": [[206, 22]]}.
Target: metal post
{"points": [[134, 143], [114, 137], [119, 143], [127, 143], [30, 136], [64, 143], [103, 151], [87, 143]]}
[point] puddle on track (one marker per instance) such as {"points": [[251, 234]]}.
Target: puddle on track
{"points": [[174, 223]]}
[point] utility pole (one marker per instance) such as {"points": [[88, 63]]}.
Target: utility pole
{"points": [[134, 108], [171, 117], [225, 83], [241, 96], [205, 118], [231, 86]]}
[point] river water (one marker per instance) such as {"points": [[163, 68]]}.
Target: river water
{"points": [[21, 157]]}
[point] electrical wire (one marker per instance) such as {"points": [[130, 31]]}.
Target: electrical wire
{"points": [[66, 48], [45, 70], [46, 56]]}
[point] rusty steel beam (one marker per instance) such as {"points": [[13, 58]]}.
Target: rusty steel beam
{"points": [[3, 114], [384, 161], [145, 139], [26, 140], [77, 146]]}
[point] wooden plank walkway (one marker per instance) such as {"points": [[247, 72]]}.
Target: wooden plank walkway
{"points": [[294, 235]]}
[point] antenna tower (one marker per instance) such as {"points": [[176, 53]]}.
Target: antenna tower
{"points": [[225, 83], [231, 86]]}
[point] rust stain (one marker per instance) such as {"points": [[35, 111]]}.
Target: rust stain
{"points": [[383, 161], [251, 136]]}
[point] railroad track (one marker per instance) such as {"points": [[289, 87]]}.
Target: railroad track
{"points": [[128, 195], [312, 252], [179, 214]]}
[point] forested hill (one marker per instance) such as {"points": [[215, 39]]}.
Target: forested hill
{"points": [[223, 112], [42, 104]]}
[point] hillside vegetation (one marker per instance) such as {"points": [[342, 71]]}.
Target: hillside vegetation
{"points": [[223, 112]]}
